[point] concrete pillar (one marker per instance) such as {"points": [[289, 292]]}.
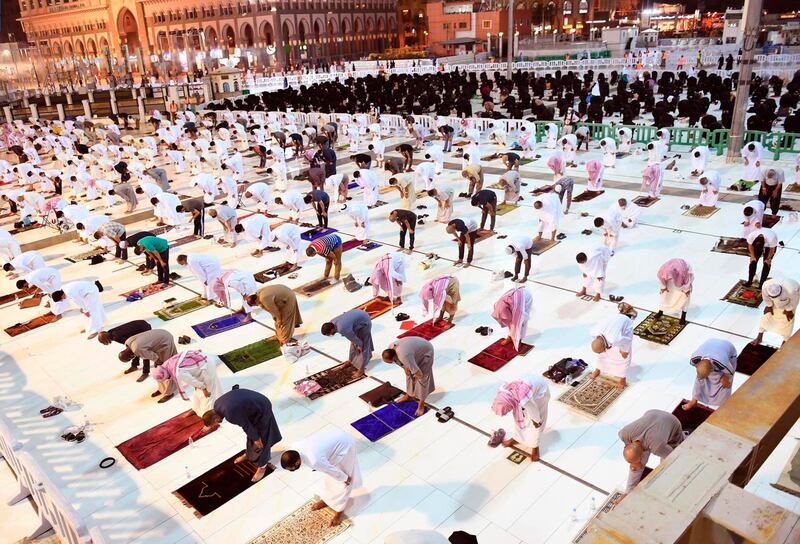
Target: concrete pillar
{"points": [[69, 98], [142, 111], [87, 110], [9, 116], [61, 115], [25, 101], [208, 92], [47, 99], [113, 98], [34, 112], [90, 94]]}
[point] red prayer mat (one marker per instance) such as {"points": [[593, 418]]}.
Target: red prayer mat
{"points": [[496, 356], [11, 297], [153, 445], [375, 307], [350, 244], [429, 330], [752, 357], [691, 419], [147, 290], [34, 323]]}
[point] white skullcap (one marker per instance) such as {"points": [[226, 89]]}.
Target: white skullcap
{"points": [[774, 289], [509, 250]]}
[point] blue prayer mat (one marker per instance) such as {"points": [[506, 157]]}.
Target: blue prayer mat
{"points": [[389, 418], [219, 325], [312, 234]]}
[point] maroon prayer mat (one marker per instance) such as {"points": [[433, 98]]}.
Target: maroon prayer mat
{"points": [[23, 229], [183, 240], [375, 307], [691, 419], [383, 394], [645, 201], [34, 323], [752, 357], [496, 356], [769, 221], [429, 330], [350, 244], [147, 290], [11, 297], [31, 302], [542, 190], [587, 195], [161, 441]]}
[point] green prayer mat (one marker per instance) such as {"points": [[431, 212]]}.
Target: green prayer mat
{"points": [[523, 162], [181, 308], [252, 354], [503, 209], [661, 330]]}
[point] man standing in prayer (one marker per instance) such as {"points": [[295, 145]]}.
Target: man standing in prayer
{"points": [[334, 454], [613, 344], [329, 247], [466, 232], [389, 275], [251, 411], [155, 345], [120, 335], [190, 369], [439, 295], [156, 250], [675, 277], [356, 326], [527, 400], [444, 204], [762, 242], [86, 296], [715, 363], [407, 221], [281, 303], [656, 432], [512, 310], [415, 356], [205, 268], [593, 262], [780, 296]]}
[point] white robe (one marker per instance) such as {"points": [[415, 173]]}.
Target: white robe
{"points": [[709, 194], [48, 280], [624, 135], [699, 159], [569, 144], [609, 147], [549, 214], [777, 322], [86, 296], [205, 268], [369, 183], [752, 223], [288, 235], [360, 216], [332, 453], [533, 409], [257, 229], [594, 269], [677, 297], [752, 170], [617, 331]]}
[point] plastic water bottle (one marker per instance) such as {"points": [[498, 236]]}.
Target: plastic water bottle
{"points": [[191, 442], [593, 504], [574, 515], [188, 474], [460, 357]]}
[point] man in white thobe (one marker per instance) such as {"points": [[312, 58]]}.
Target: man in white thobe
{"points": [[781, 296], [260, 193], [288, 235], [593, 263], [752, 153], [86, 296], [527, 400], [752, 216], [24, 263], [360, 215], [48, 281], [205, 268], [206, 182], [256, 228], [368, 182], [190, 369], [613, 344], [547, 208], [293, 202]]}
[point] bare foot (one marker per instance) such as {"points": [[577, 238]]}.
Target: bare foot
{"points": [[505, 341], [596, 298], [319, 505], [594, 374], [336, 519], [404, 398], [467, 265], [621, 383], [755, 342], [261, 472], [241, 459], [91, 336], [420, 410], [581, 293], [534, 455]]}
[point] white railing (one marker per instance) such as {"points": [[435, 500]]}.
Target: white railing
{"points": [[9, 449]]}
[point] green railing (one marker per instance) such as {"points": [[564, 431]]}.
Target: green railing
{"points": [[599, 131]]}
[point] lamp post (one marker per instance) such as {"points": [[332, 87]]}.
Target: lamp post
{"points": [[489, 43], [500, 45], [510, 38]]}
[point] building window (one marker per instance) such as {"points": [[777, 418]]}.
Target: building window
{"points": [[486, 24], [462, 25], [445, 26]]}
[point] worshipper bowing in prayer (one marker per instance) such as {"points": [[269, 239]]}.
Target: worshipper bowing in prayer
{"points": [[195, 210], [260, 193], [356, 326], [715, 362], [368, 181], [405, 185], [486, 201], [511, 184], [547, 208], [281, 303], [333, 453], [593, 262], [415, 356], [156, 250], [86, 296], [46, 280], [289, 237], [656, 432], [205, 268], [466, 232], [474, 174], [24, 263], [710, 182], [190, 369], [389, 275], [240, 281], [115, 233], [521, 246], [527, 400], [752, 216], [407, 221], [444, 204], [227, 218], [156, 345], [329, 247], [320, 201], [251, 411], [439, 295], [699, 160], [613, 344], [609, 224], [770, 188], [564, 186], [513, 310], [293, 202], [762, 242], [120, 335], [675, 278], [780, 296], [256, 228]]}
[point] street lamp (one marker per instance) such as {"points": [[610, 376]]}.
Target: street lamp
{"points": [[489, 43], [501, 45]]}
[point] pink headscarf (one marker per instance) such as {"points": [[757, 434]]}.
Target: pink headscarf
{"points": [[651, 178], [309, 155], [52, 204], [169, 369], [433, 291], [510, 397], [595, 171], [676, 270], [556, 164]]}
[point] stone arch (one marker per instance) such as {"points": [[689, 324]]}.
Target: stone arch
{"points": [[228, 37], [128, 29], [68, 49], [267, 33], [91, 47], [347, 46], [382, 36], [80, 48], [358, 34], [370, 34], [56, 49], [301, 31], [247, 34], [211, 36], [104, 44]]}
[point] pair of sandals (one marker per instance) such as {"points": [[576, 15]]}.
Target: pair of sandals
{"points": [[183, 339], [163, 399], [74, 434], [496, 438], [402, 317], [615, 298], [484, 330], [445, 415], [587, 232], [51, 411]]}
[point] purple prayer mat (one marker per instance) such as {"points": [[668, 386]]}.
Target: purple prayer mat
{"points": [[312, 234], [372, 428], [389, 418], [219, 325]]}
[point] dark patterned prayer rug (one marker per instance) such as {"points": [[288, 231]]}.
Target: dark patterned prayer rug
{"points": [[217, 486], [752, 357], [608, 505], [183, 240], [769, 221], [543, 245], [499, 186], [793, 188], [523, 162], [645, 201], [303, 526], [385, 420], [375, 307], [147, 290], [587, 195], [22, 293], [86, 255], [492, 157], [461, 143], [158, 231], [703, 212], [429, 329], [32, 226], [369, 246], [692, 418], [178, 309], [496, 356], [789, 480], [744, 295], [252, 354], [383, 394], [733, 246], [592, 397], [312, 234], [161, 441], [266, 276], [503, 209], [378, 204], [542, 190], [315, 287], [35, 323], [332, 379], [661, 330], [218, 325]]}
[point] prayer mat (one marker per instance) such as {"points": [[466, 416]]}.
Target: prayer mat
{"points": [[483, 234], [592, 397], [350, 244], [496, 356], [369, 246], [497, 186], [375, 307], [503, 209], [523, 162], [769, 221], [645, 201], [389, 418], [153, 445], [31, 302], [734, 246], [703, 212], [661, 330], [86, 255], [744, 295], [378, 204], [252, 354], [691, 419], [491, 157], [158, 231], [147, 290], [387, 189], [314, 287], [35, 323], [312, 234], [383, 394], [303, 526], [178, 309], [587, 195], [543, 245], [5, 299], [752, 357], [332, 379], [266, 276], [429, 330], [608, 505], [793, 188], [789, 480], [183, 240], [461, 143], [352, 185], [32, 226], [218, 325], [301, 177], [542, 190], [516, 457], [217, 486]]}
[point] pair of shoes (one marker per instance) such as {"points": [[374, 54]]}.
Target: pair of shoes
{"points": [[584, 214], [502, 236], [560, 236], [484, 331], [420, 222], [508, 274], [70, 436], [51, 411], [174, 276], [445, 415], [496, 438], [183, 339], [615, 298], [422, 207], [401, 317], [587, 232]]}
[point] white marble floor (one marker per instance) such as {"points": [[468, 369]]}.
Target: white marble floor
{"points": [[428, 474]]}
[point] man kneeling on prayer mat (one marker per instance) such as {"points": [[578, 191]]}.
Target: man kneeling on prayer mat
{"points": [[439, 295], [415, 356], [715, 363], [281, 303], [527, 399], [613, 344], [251, 411], [190, 369], [780, 297], [656, 432], [334, 454], [675, 277], [512, 310], [356, 326]]}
